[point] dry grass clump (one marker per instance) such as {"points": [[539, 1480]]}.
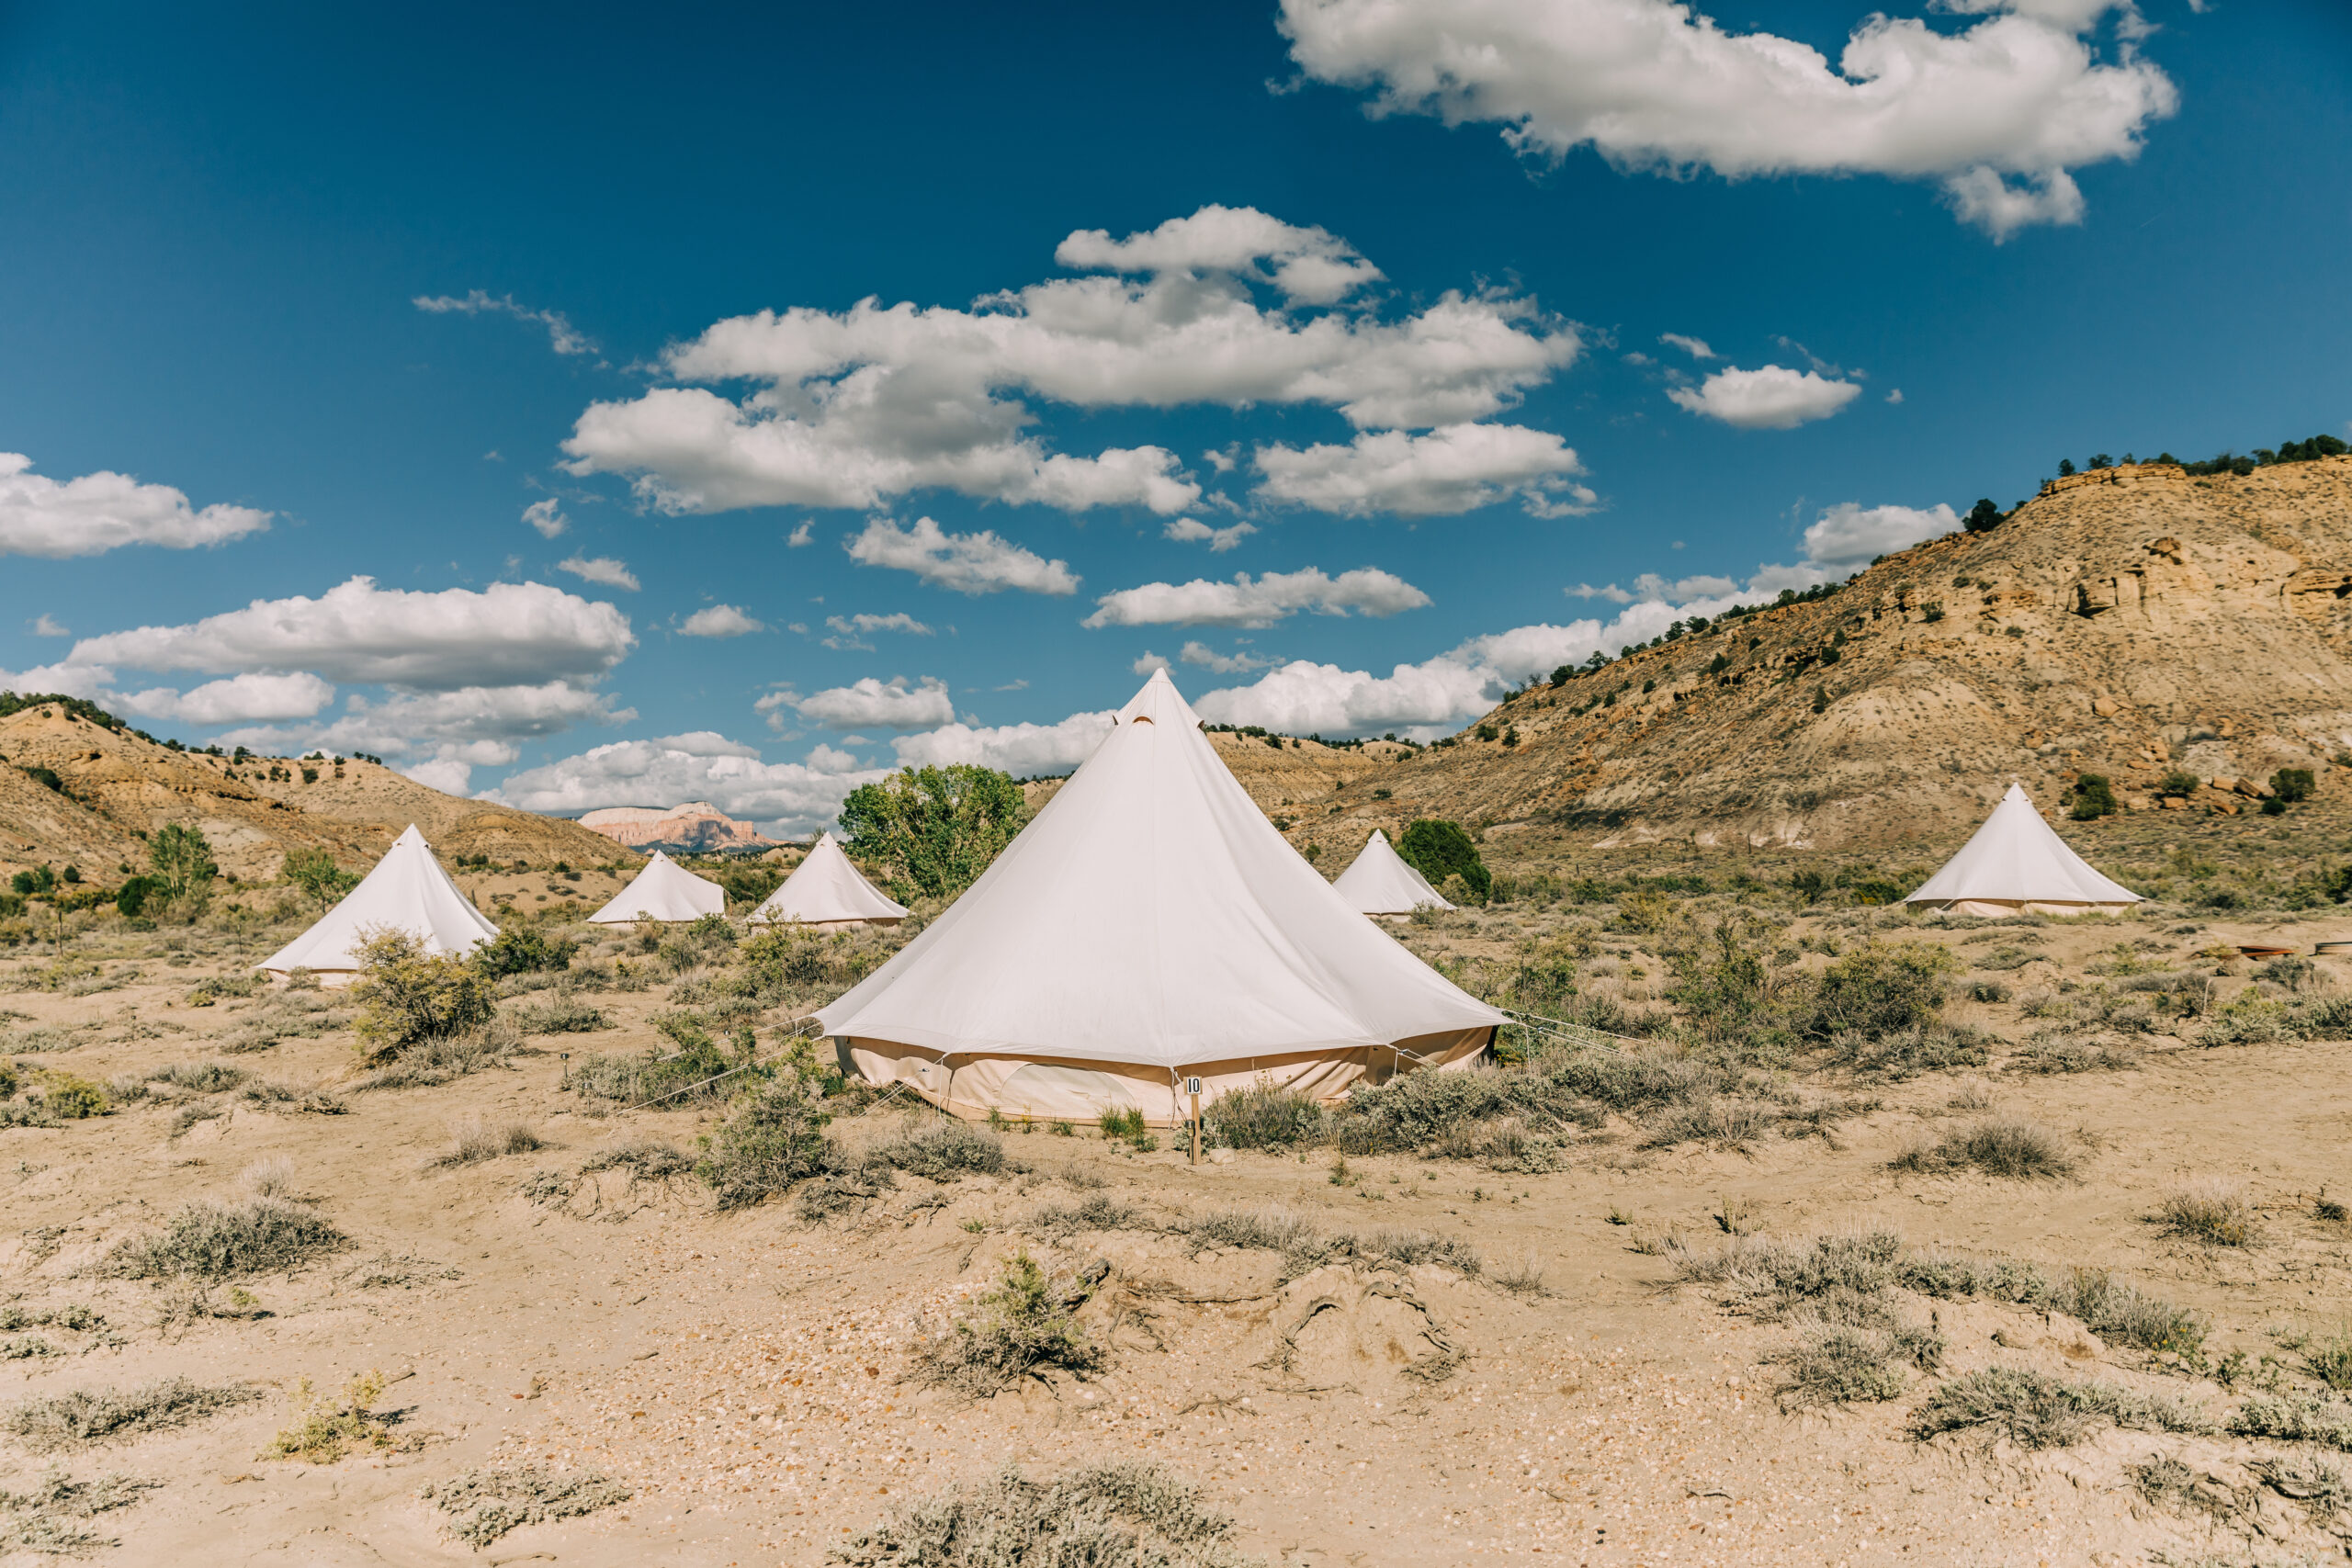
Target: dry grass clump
{"points": [[2113, 1309], [324, 1431], [1275, 1228], [1840, 1364], [269, 1177], [2035, 1410], [485, 1504], [50, 1519], [941, 1149], [85, 1415], [647, 1158], [1094, 1214], [2296, 1418], [1115, 1514], [477, 1140], [273, 1094], [1522, 1276], [2307, 1479], [1024, 1326], [437, 1059], [199, 1078], [1500, 1142], [2330, 1361], [2212, 1210], [2008, 1146], [563, 1013], [213, 1240], [2050, 1051]]}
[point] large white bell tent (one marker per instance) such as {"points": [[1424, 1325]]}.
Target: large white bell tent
{"points": [[826, 892], [1148, 926], [407, 891], [1381, 883], [664, 890], [2015, 865]]}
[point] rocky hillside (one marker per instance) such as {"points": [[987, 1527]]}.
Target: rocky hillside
{"points": [[2135, 622], [119, 787], [697, 828]]}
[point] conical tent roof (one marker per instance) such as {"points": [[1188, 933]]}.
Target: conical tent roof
{"points": [[1381, 883], [1151, 915], [408, 891], [2016, 861], [664, 890], [825, 889]]}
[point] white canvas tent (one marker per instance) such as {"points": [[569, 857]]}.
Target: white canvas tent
{"points": [[1381, 883], [826, 892], [407, 891], [2015, 865], [1150, 924], [664, 890]]}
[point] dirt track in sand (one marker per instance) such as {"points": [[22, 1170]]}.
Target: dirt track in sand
{"points": [[748, 1374]]}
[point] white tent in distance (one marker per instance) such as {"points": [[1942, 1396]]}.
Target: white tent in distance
{"points": [[1148, 926], [827, 893], [2015, 865], [1381, 883], [408, 891], [664, 890]]}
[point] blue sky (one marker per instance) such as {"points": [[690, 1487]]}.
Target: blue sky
{"points": [[403, 384]]}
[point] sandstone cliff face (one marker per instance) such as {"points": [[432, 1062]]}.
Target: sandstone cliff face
{"points": [[126, 786], [2132, 622], [695, 828]]}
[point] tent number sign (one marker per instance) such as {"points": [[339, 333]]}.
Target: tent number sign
{"points": [[1192, 1088]]}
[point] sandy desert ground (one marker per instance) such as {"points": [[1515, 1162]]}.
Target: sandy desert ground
{"points": [[1581, 1391]]}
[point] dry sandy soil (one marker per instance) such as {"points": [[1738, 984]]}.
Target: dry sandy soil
{"points": [[748, 1377]]}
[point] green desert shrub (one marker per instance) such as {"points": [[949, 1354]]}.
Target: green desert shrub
{"points": [[2296, 1418], [2214, 1212], [408, 995], [2094, 796], [1263, 1116], [1882, 989], [941, 1149], [1024, 1327], [1439, 849], [522, 950], [213, 1240], [772, 1138], [1839, 1364]]}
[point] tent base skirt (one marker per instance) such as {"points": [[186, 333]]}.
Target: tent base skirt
{"points": [[1051, 1089], [328, 979], [822, 925], [1995, 908]]}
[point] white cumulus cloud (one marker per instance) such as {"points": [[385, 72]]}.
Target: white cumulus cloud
{"points": [[1191, 531], [1244, 603], [876, 705], [719, 620], [1020, 750], [1772, 397], [863, 624], [1850, 534], [968, 563], [50, 626], [480, 723], [1454, 469], [1209, 659], [240, 699], [100, 512], [1651, 85], [849, 408], [601, 569], [511, 633], [1696, 347], [547, 516]]}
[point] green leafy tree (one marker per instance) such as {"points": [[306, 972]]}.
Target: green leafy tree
{"points": [[130, 899], [315, 873], [1983, 518], [938, 828], [1439, 849], [2094, 796], [180, 859]]}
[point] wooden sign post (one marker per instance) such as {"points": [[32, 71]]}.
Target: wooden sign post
{"points": [[1192, 1088]]}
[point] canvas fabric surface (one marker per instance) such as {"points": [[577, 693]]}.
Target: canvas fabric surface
{"points": [[2016, 863], [1150, 917], [1381, 883], [827, 892], [407, 891], [664, 890]]}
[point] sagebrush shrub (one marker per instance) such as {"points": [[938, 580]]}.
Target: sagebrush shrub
{"points": [[408, 995]]}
